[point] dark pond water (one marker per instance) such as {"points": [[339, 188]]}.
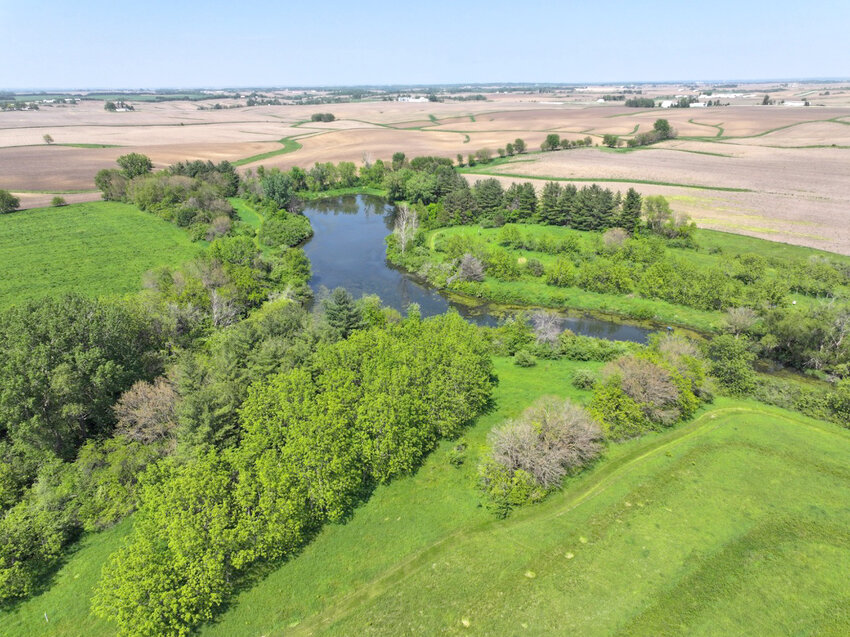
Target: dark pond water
{"points": [[348, 250]]}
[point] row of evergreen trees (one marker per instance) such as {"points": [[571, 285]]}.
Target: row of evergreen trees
{"points": [[587, 208]]}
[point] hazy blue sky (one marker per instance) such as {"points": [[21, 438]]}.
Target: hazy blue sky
{"points": [[187, 43]]}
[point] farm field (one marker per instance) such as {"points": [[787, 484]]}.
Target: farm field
{"points": [[791, 161], [96, 249], [711, 528]]}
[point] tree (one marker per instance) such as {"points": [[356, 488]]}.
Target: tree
{"points": [[484, 156], [134, 165], [48, 139], [550, 209], [65, 362], [405, 226], [663, 129], [551, 142], [8, 202], [342, 313], [731, 363], [631, 211], [110, 106], [459, 160], [398, 160], [509, 149], [58, 201], [519, 146], [611, 141], [278, 188]]}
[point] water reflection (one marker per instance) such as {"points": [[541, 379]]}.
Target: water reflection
{"points": [[348, 250]]}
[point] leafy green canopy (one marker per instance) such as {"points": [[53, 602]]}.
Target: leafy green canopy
{"points": [[315, 440]]}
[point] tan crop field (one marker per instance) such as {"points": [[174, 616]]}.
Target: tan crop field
{"points": [[788, 188]]}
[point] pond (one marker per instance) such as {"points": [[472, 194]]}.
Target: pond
{"points": [[348, 250]]}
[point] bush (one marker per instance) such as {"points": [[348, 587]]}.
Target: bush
{"points": [[586, 348], [534, 267], [8, 202], [583, 379], [620, 416], [524, 358], [58, 201], [550, 440], [649, 385], [731, 364], [285, 230]]}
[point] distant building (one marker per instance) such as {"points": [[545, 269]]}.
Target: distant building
{"points": [[697, 104], [410, 98], [667, 103]]}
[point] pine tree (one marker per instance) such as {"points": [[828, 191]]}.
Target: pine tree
{"points": [[342, 313], [566, 205], [630, 215], [550, 209]]}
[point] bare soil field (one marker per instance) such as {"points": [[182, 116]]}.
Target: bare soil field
{"points": [[797, 194], [800, 196]]}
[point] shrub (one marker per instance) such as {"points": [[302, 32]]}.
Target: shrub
{"points": [[524, 358], [620, 416], [649, 385], [8, 202], [285, 230], [731, 364], [551, 439], [58, 201], [583, 378], [562, 273], [534, 267], [547, 327], [586, 348], [470, 269], [457, 455]]}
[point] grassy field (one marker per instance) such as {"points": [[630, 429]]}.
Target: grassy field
{"points": [[734, 523], [713, 248], [98, 249]]}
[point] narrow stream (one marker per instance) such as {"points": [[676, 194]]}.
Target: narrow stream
{"points": [[348, 250]]}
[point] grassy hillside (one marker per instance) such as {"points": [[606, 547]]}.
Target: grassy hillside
{"points": [[734, 523], [99, 249]]}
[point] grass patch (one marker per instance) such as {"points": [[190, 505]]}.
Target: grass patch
{"points": [[340, 192], [289, 146], [246, 212], [96, 249]]}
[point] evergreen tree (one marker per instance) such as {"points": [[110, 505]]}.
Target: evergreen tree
{"points": [[550, 209], [630, 214], [527, 201], [489, 196], [566, 205], [342, 313]]}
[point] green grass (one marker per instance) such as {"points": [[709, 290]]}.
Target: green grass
{"points": [[734, 523], [246, 212], [339, 192], [97, 249], [533, 291], [289, 146]]}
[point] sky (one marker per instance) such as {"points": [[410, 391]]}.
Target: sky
{"points": [[188, 43]]}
